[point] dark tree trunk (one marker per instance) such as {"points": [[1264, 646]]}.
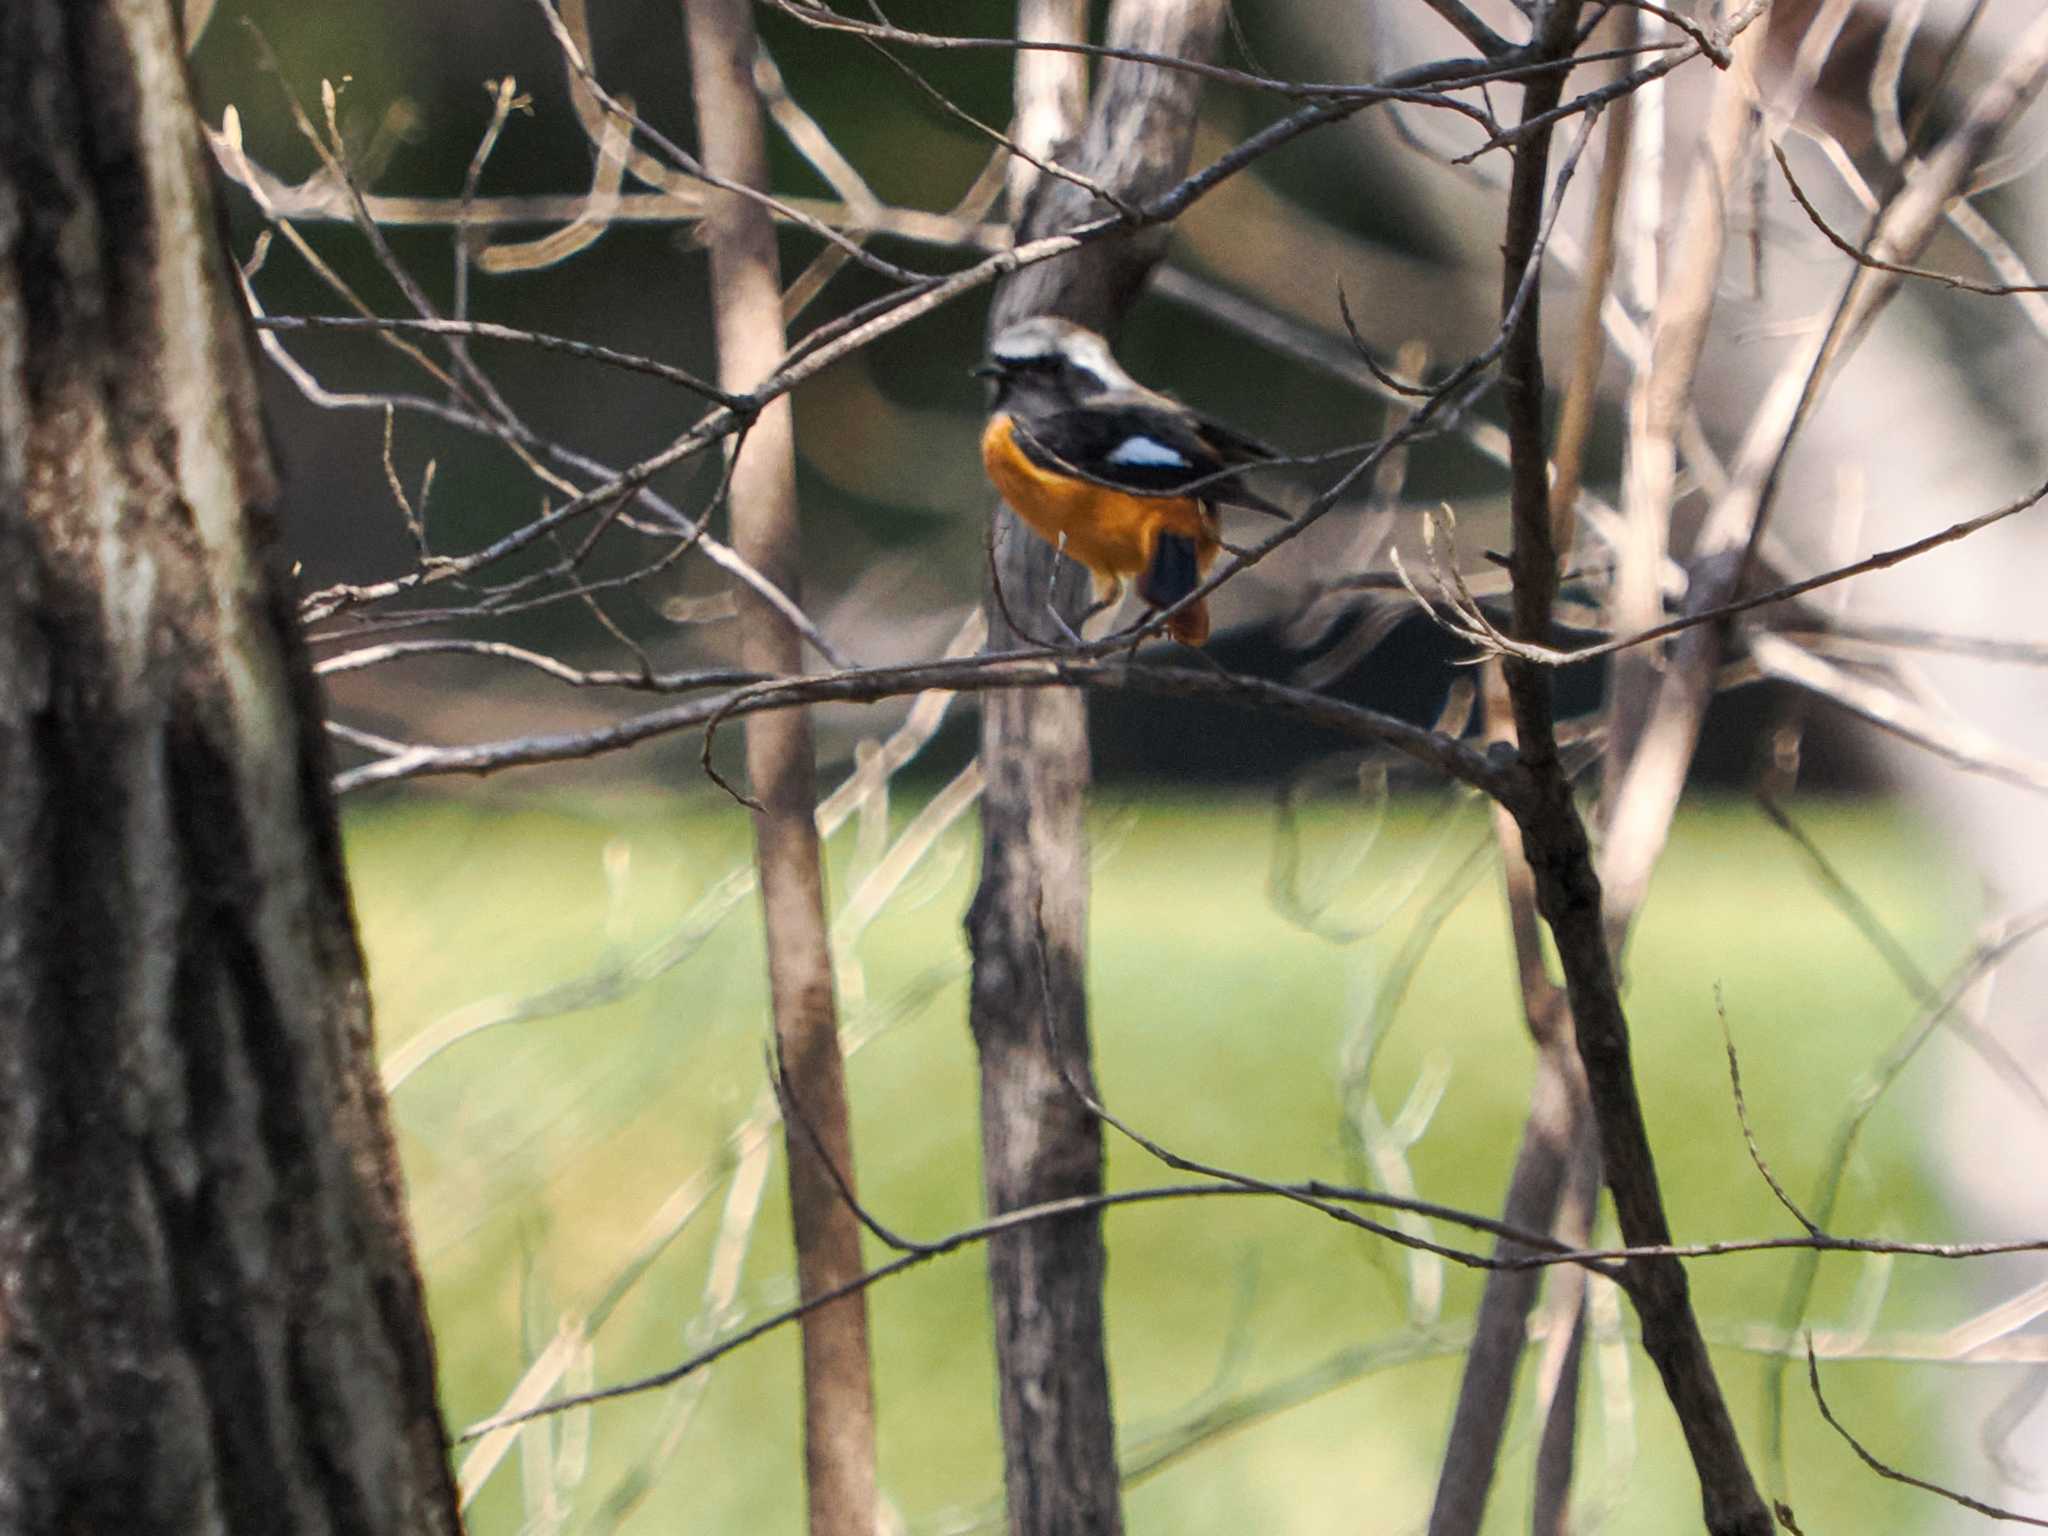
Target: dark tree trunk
{"points": [[1028, 923], [209, 1315]]}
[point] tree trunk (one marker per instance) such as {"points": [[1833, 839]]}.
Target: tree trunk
{"points": [[746, 289], [209, 1314], [1028, 923]]}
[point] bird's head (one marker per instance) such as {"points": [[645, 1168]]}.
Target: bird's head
{"points": [[1052, 361]]}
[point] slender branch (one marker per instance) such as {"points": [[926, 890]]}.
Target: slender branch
{"points": [[561, 671], [1893, 1474], [1471, 28], [1713, 49], [1054, 1210], [1568, 891], [1863, 258], [494, 332], [1490, 43], [1552, 1133], [998, 670], [1883, 560], [1756, 1155]]}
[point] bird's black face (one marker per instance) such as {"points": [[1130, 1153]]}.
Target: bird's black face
{"points": [[1051, 379], [996, 377]]}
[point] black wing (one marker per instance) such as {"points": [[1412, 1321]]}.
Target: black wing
{"points": [[1147, 447], [1232, 444], [1236, 448]]}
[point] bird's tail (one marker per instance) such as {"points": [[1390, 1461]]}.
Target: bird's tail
{"points": [[1174, 571], [1191, 625]]}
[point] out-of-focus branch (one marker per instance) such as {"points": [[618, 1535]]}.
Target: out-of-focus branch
{"points": [[1565, 1326], [1052, 88], [1953, 740], [320, 198], [1641, 809], [746, 292], [1644, 768], [1589, 351], [1738, 521]]}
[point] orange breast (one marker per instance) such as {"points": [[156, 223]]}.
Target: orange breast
{"points": [[1111, 532]]}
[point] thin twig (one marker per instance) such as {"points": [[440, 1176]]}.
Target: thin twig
{"points": [[1015, 669], [1893, 1474], [538, 339], [1884, 559], [1863, 258], [1756, 1155]]}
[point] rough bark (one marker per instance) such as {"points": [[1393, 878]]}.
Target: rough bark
{"points": [[209, 1315], [746, 287], [1028, 922]]}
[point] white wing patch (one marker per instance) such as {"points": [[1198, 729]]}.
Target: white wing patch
{"points": [[1147, 451]]}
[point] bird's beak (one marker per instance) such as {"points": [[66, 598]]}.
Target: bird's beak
{"points": [[985, 370]]}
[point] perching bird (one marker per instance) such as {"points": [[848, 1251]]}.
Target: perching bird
{"points": [[1124, 479]]}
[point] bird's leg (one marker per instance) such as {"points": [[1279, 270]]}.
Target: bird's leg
{"points": [[1105, 598], [1104, 603], [1110, 593], [1052, 592]]}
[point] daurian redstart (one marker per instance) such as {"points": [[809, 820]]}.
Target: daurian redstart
{"points": [[1121, 477]]}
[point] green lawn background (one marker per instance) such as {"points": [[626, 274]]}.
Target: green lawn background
{"points": [[537, 1149]]}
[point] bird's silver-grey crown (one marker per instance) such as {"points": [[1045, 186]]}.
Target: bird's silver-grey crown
{"points": [[1044, 337]]}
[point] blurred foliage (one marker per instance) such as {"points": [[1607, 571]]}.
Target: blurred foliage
{"points": [[537, 1151]]}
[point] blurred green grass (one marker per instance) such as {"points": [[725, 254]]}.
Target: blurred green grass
{"points": [[536, 1150]]}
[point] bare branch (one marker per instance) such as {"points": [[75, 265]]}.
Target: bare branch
{"points": [[1893, 1474], [2000, 940], [1883, 560], [666, 372], [561, 671], [1471, 28], [997, 670], [1554, 1135], [1756, 1155], [1863, 258], [1568, 890]]}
